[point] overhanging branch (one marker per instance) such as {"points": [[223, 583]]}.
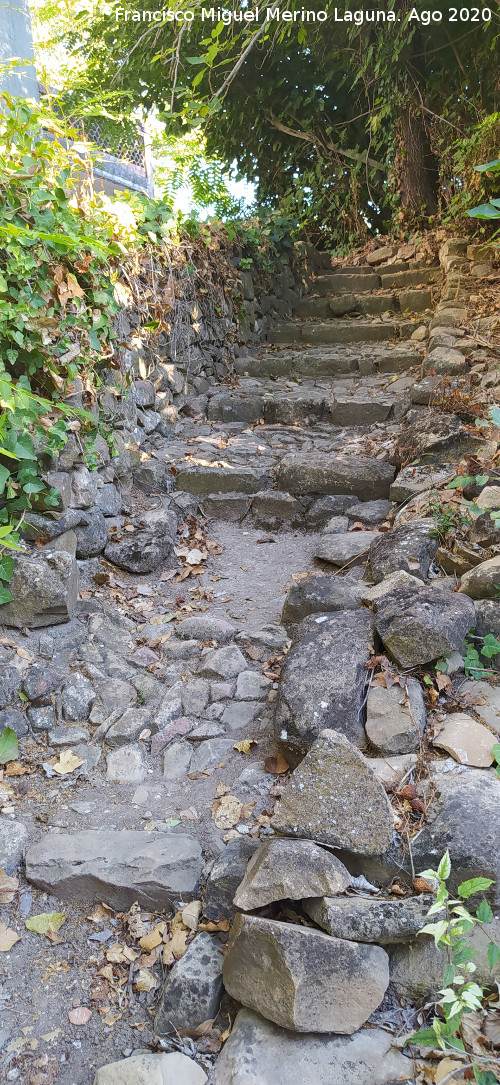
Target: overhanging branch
{"points": [[327, 145]]}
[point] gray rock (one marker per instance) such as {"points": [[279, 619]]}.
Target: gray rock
{"points": [[34, 524], [126, 765], [269, 636], [44, 589], [191, 993], [176, 761], [13, 835], [203, 627], [220, 691], [154, 477], [419, 626], [370, 512], [415, 479], [144, 393], [175, 649], [230, 507], [117, 867], [270, 510], [209, 480], [171, 706], [444, 361], [225, 877], [390, 770], [92, 536], [41, 719], [303, 979], [90, 756], [482, 581], [259, 1053], [295, 869], [486, 702], [146, 1069], [324, 473], [321, 510], [396, 717], [10, 681], [83, 487], [215, 751], [336, 526], [78, 697], [335, 798], [251, 686], [240, 714], [223, 663], [129, 727], [416, 969], [67, 736], [66, 542], [205, 730], [42, 680], [195, 696], [409, 547], [372, 596], [363, 919], [148, 547], [108, 500], [313, 694], [320, 594], [342, 549], [14, 719]]}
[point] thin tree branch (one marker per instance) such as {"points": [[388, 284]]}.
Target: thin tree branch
{"points": [[355, 156], [241, 60]]}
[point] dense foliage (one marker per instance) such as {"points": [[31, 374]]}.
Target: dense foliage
{"points": [[347, 127]]}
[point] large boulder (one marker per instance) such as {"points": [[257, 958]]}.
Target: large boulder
{"points": [[191, 992], [482, 581], [323, 473], [117, 867], [303, 979], [44, 588], [282, 869], [419, 626], [322, 681], [409, 547], [363, 919], [335, 798], [258, 1053]]}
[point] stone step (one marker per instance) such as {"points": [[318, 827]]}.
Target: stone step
{"points": [[325, 308], [341, 283], [321, 362], [339, 331], [201, 479], [418, 277], [301, 473], [290, 406]]}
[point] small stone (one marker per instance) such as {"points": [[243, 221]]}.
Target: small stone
{"points": [[335, 798], [78, 697], [17, 721], [211, 753], [482, 581], [41, 719], [126, 765], [269, 636], [302, 979], [191, 993], [398, 579], [13, 835], [92, 534], [90, 756], [390, 770], [195, 696], [171, 706], [152, 1070], [42, 680], [176, 761], [370, 512], [179, 649], [259, 1053], [294, 869], [220, 691], [410, 547], [117, 867], [225, 877], [223, 663], [325, 507], [468, 741], [205, 730], [83, 487], [416, 969], [128, 728], [396, 717], [340, 549], [251, 686], [67, 542], [67, 736], [360, 919], [336, 526], [486, 702], [489, 498], [414, 480], [202, 627], [240, 714], [108, 500]]}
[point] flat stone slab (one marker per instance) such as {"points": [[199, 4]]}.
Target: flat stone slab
{"points": [[294, 869], [210, 480], [396, 717], [361, 919], [303, 979], [313, 693], [320, 594], [321, 473], [468, 741], [148, 1069], [117, 867], [335, 798], [419, 626], [343, 548], [258, 1052]]}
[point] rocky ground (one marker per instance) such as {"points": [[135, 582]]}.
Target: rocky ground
{"points": [[223, 684]]}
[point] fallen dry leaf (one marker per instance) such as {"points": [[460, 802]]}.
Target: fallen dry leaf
{"points": [[80, 1015], [66, 763], [227, 812], [45, 922], [7, 887], [120, 954], [112, 1017], [276, 764], [145, 981], [136, 927], [245, 746], [191, 914], [189, 815], [222, 789], [254, 652], [107, 973], [8, 938], [214, 925], [154, 938], [14, 768], [201, 1030]]}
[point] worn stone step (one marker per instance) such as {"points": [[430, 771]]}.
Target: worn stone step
{"points": [[200, 479], [326, 308], [418, 277], [363, 409], [339, 331], [301, 473], [339, 283]]}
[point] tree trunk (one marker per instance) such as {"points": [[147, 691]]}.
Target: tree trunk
{"points": [[416, 166]]}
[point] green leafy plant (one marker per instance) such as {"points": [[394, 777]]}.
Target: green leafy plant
{"points": [[496, 754], [446, 519], [488, 646], [460, 994], [490, 210]]}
